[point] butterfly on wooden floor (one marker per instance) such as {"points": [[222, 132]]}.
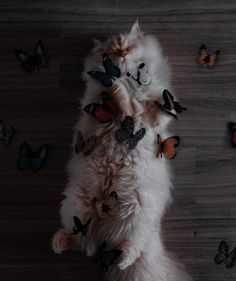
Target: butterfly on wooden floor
{"points": [[79, 227], [6, 134], [103, 112], [85, 146], [167, 147], [111, 71], [143, 76], [232, 128], [29, 159], [170, 104], [224, 256], [106, 258], [126, 135], [206, 58], [37, 60]]}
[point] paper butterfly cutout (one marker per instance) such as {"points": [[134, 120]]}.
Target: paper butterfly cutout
{"points": [[111, 71], [205, 58], [37, 60], [79, 227], [167, 147], [103, 112], [29, 159], [143, 76], [126, 135], [224, 256]]}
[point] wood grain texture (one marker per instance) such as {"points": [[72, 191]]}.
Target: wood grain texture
{"points": [[44, 107]]}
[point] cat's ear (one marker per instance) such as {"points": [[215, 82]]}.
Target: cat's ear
{"points": [[97, 44], [135, 29]]}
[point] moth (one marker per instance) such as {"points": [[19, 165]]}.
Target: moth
{"points": [[167, 147], [111, 71], [29, 159], [206, 58], [106, 258], [102, 112], [143, 76], [85, 146], [79, 227], [170, 104], [6, 134], [37, 60], [232, 128], [126, 135], [224, 256]]}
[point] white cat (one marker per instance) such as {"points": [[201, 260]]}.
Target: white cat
{"points": [[125, 193]]}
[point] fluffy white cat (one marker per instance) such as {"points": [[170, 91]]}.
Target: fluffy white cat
{"points": [[134, 186]]}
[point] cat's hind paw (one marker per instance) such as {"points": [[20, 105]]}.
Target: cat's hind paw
{"points": [[61, 241]]}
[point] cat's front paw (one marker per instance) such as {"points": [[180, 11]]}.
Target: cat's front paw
{"points": [[128, 256], [61, 241]]}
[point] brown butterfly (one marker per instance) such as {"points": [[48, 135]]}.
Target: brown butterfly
{"points": [[85, 146], [167, 147], [205, 58]]}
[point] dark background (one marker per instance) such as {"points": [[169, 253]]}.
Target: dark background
{"points": [[43, 108]]}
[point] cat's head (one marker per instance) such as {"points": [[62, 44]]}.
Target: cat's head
{"points": [[123, 47]]}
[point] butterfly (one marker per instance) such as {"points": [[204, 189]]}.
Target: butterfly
{"points": [[111, 71], [143, 77], [224, 256], [37, 60], [6, 135], [126, 135], [103, 112], [29, 159], [205, 58], [232, 127], [167, 147], [85, 146], [170, 104], [79, 227], [106, 258]]}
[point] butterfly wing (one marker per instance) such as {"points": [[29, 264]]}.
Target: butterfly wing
{"points": [[143, 75], [40, 157], [212, 58], [203, 55], [232, 128], [78, 225], [121, 136], [231, 259], [110, 68], [223, 252], [104, 78], [40, 55], [169, 145], [24, 160], [100, 252], [108, 103], [79, 142], [128, 125], [133, 141], [27, 61]]}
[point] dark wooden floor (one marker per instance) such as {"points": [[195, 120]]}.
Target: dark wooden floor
{"points": [[43, 108]]}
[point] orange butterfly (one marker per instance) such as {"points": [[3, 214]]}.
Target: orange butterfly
{"points": [[167, 147], [205, 58]]}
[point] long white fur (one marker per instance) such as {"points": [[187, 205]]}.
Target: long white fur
{"points": [[142, 182]]}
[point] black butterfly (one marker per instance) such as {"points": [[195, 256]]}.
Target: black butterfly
{"points": [[170, 104], [29, 159], [106, 258], [31, 61], [79, 227], [224, 257], [143, 77], [111, 71], [6, 134], [126, 133]]}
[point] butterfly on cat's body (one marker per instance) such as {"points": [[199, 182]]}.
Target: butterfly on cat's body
{"points": [[6, 134], [102, 112], [126, 134], [167, 147], [37, 60], [79, 227], [143, 76], [106, 258], [206, 58], [170, 104], [85, 146], [232, 128], [111, 72], [29, 159], [224, 256]]}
